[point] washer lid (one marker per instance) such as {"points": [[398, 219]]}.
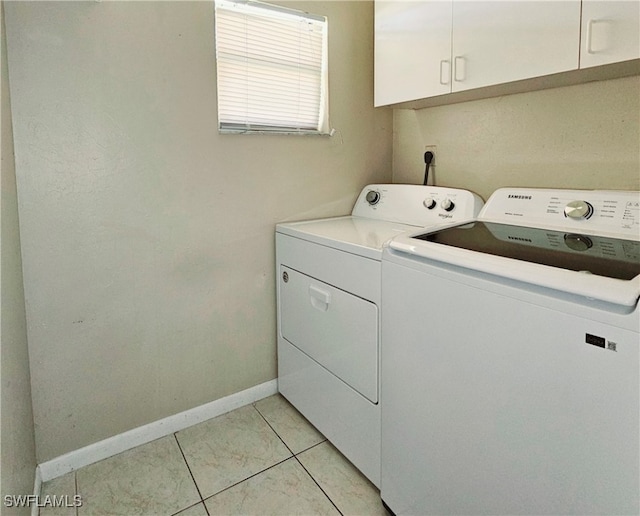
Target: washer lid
{"points": [[598, 267], [603, 256], [357, 235], [584, 242]]}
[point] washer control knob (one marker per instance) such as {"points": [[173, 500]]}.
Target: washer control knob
{"points": [[578, 242], [429, 203], [578, 210], [372, 197], [448, 205]]}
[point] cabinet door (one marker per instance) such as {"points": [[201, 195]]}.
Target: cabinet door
{"points": [[502, 41], [412, 50], [610, 32]]}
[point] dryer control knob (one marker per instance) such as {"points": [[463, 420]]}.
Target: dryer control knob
{"points": [[372, 197], [578, 210], [448, 205], [429, 203]]}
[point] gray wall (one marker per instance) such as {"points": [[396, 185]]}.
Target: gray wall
{"points": [[148, 237], [17, 451], [585, 136]]}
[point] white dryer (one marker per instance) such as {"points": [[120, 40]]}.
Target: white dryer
{"points": [[328, 293]]}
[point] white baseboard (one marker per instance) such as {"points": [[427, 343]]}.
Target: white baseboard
{"points": [[37, 489], [147, 433]]}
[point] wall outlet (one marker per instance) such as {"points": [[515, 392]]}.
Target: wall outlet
{"points": [[432, 167], [431, 148]]}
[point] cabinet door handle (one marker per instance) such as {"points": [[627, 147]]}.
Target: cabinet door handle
{"points": [[590, 27], [589, 36], [445, 76], [459, 72]]}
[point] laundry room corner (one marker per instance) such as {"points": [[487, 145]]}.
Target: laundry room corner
{"points": [[17, 446]]}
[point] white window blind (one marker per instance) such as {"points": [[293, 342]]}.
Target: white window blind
{"points": [[271, 69]]}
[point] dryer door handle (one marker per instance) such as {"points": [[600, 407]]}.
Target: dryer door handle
{"points": [[320, 298]]}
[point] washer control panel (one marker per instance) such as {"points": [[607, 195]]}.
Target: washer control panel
{"points": [[416, 204], [604, 212]]}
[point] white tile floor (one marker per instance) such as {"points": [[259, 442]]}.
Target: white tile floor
{"points": [[262, 459]]}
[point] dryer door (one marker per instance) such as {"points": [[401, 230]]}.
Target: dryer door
{"points": [[336, 329]]}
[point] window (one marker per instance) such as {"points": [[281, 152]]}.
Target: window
{"points": [[271, 69]]}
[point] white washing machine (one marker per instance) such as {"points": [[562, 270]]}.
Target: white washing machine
{"points": [[328, 295], [510, 359]]}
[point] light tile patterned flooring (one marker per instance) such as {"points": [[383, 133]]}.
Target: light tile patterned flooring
{"points": [[261, 459]]}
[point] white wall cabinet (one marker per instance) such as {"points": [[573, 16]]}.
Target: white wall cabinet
{"points": [[498, 42], [412, 50], [610, 32], [429, 48]]}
